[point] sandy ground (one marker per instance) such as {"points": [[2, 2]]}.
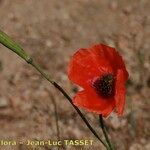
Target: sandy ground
{"points": [[51, 31]]}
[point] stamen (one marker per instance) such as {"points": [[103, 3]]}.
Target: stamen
{"points": [[105, 85]]}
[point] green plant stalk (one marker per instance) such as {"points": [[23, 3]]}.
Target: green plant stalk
{"points": [[105, 133], [15, 47]]}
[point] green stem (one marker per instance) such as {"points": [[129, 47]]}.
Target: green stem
{"points": [[9, 43], [105, 132]]}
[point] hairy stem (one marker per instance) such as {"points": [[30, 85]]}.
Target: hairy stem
{"points": [[15, 47]]}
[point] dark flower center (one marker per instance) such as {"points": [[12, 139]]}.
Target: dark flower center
{"points": [[105, 85]]}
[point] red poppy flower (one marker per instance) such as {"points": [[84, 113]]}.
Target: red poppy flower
{"points": [[102, 74]]}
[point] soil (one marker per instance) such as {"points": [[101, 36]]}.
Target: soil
{"points": [[51, 31]]}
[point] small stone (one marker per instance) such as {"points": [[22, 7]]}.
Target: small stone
{"points": [[49, 43], [127, 10], [123, 43], [13, 17], [113, 5], [4, 102], [117, 123], [136, 146], [147, 146]]}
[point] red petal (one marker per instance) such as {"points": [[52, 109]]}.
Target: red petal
{"points": [[101, 59], [86, 65], [115, 60], [120, 92], [93, 103]]}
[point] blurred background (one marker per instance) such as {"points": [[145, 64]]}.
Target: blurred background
{"points": [[51, 31]]}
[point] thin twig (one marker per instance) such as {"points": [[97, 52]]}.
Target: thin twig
{"points": [[56, 117], [104, 132], [56, 120], [56, 114]]}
